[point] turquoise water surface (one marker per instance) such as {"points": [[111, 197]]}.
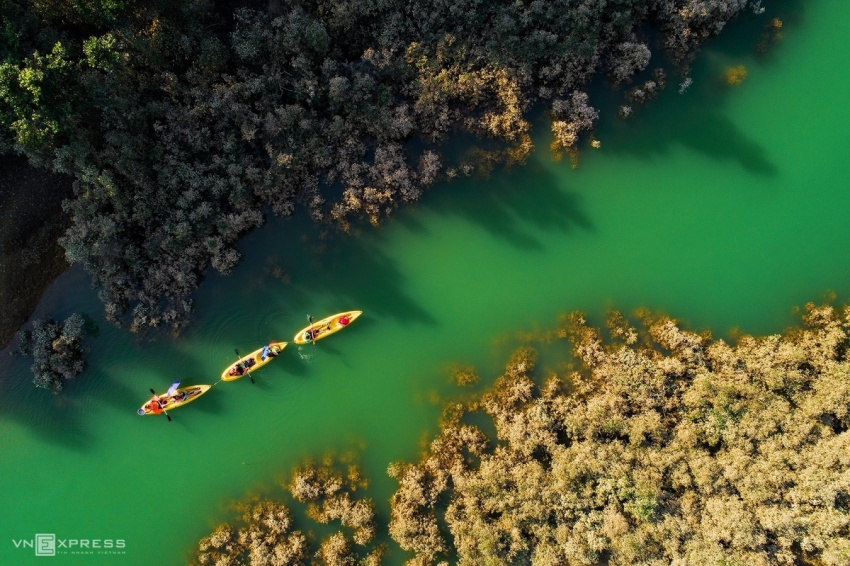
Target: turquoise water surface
{"points": [[724, 207]]}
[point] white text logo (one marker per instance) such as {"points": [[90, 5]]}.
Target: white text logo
{"points": [[46, 544]]}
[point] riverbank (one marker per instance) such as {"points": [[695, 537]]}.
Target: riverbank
{"points": [[31, 221]]}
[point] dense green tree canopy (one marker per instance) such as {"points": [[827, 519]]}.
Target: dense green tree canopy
{"points": [[56, 349], [183, 121]]}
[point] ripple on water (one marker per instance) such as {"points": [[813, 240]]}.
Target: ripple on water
{"points": [[275, 325]]}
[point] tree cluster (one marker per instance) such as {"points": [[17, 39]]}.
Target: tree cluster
{"points": [[184, 122], [665, 447], [56, 349], [267, 537]]}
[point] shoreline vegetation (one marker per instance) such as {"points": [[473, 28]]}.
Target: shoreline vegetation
{"points": [[266, 535], [659, 445], [184, 123], [56, 348]]}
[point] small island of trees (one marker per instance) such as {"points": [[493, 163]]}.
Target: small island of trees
{"points": [[56, 349]]}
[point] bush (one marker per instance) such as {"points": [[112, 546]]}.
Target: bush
{"points": [[56, 349], [669, 448], [267, 535]]}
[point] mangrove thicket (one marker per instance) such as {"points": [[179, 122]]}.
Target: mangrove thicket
{"points": [[662, 446], [184, 123]]}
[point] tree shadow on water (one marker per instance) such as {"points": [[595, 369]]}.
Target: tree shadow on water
{"points": [[368, 276], [50, 417], [65, 418], [697, 119], [754, 34], [354, 270], [512, 204], [694, 121]]}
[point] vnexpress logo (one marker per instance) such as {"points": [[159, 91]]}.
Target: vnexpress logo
{"points": [[45, 545]]}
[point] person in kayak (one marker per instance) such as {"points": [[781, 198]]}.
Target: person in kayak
{"points": [[242, 367], [155, 405], [269, 351], [311, 334], [180, 396]]}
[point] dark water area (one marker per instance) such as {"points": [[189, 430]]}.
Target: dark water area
{"points": [[724, 207], [31, 221]]}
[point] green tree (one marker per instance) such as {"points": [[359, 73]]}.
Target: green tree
{"points": [[56, 349]]}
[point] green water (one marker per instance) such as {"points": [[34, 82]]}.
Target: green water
{"points": [[725, 207]]}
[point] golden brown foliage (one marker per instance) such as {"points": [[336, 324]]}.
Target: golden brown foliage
{"points": [[673, 448], [771, 35], [735, 75], [267, 537], [464, 376]]}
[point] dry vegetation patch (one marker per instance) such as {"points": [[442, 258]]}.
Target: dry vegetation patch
{"points": [[670, 448], [267, 536]]}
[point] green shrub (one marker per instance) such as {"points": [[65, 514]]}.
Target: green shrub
{"points": [[56, 349]]}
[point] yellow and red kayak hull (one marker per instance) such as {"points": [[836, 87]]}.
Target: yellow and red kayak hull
{"points": [[171, 403], [258, 363], [326, 326]]}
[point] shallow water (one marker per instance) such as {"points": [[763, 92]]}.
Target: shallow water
{"points": [[725, 207]]}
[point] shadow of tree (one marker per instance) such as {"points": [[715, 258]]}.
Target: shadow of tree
{"points": [[61, 418], [697, 119], [53, 418], [351, 269], [694, 122], [329, 272], [510, 204]]}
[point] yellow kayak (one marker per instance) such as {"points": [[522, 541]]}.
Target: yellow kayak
{"points": [[178, 399], [325, 327], [252, 362]]}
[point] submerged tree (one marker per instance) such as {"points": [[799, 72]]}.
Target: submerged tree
{"points": [[267, 539], [56, 349]]}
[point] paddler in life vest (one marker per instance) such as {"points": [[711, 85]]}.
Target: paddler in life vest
{"points": [[242, 367], [269, 351], [155, 405]]}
